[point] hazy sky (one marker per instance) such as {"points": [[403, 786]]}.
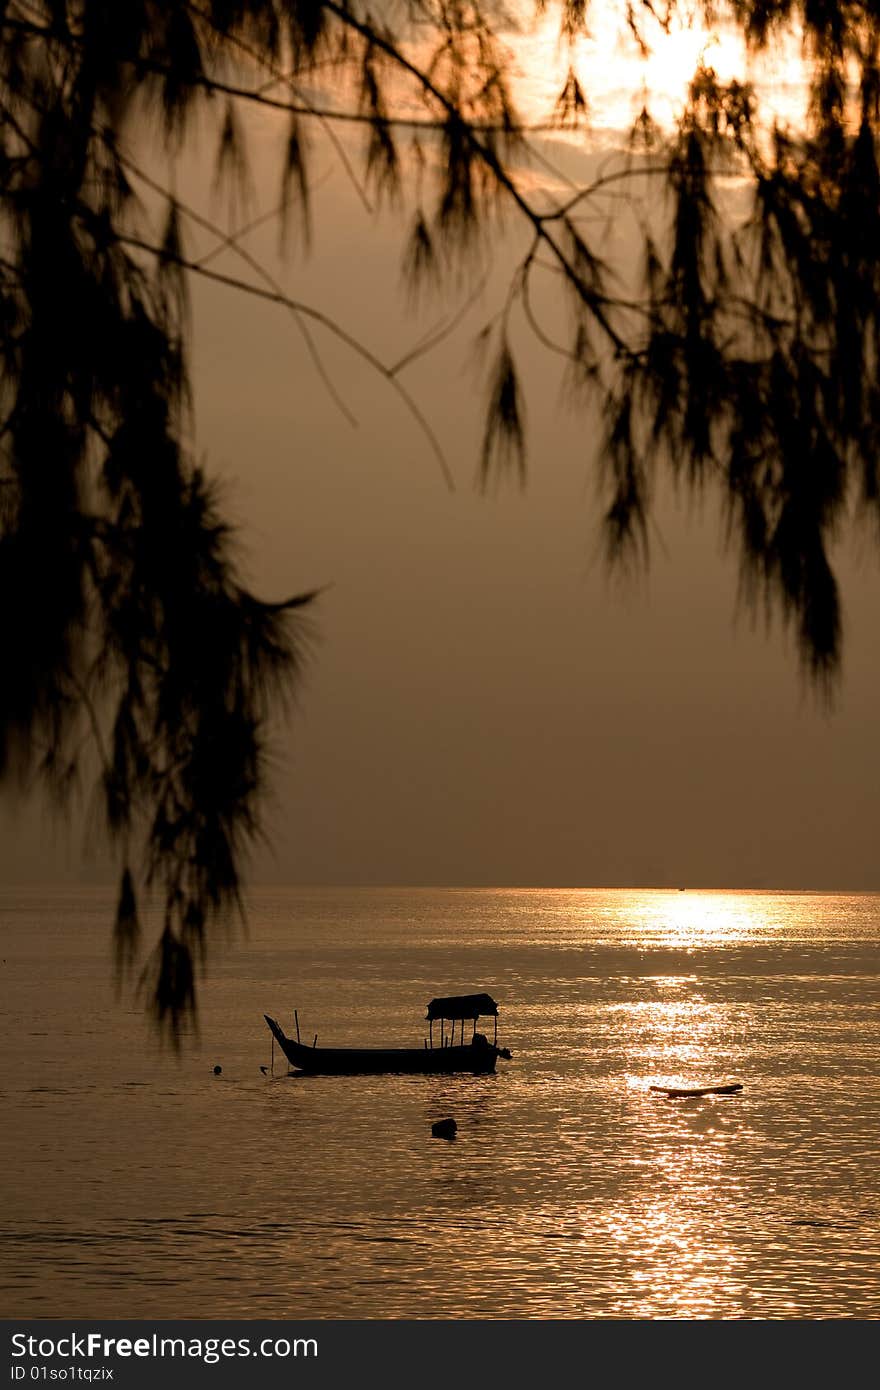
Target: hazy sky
{"points": [[481, 705]]}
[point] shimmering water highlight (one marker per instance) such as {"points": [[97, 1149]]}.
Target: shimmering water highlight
{"points": [[142, 1186]]}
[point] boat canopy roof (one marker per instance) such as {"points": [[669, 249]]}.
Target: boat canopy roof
{"points": [[462, 1006]]}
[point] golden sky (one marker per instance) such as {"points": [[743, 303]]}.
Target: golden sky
{"points": [[482, 705]]}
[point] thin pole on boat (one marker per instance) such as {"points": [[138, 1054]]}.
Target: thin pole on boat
{"points": [[432, 1031], [296, 1021], [315, 1043]]}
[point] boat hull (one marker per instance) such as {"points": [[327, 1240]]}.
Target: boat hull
{"points": [[375, 1061]]}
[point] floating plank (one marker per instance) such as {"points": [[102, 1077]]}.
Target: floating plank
{"points": [[680, 1092]]}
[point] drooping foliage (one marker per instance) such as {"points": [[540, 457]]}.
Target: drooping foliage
{"points": [[744, 358]]}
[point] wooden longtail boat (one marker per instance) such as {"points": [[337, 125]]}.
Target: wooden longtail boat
{"points": [[478, 1055]]}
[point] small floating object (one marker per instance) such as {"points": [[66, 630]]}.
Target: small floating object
{"points": [[264, 1070], [217, 1071], [444, 1129], [681, 1092]]}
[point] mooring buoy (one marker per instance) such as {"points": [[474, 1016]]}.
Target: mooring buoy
{"points": [[444, 1129]]}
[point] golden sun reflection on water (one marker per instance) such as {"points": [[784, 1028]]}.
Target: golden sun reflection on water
{"points": [[694, 919], [673, 1235], [671, 1041], [678, 1263], [681, 1255], [690, 919]]}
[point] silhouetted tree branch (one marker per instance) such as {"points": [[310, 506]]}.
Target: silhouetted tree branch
{"points": [[742, 354]]}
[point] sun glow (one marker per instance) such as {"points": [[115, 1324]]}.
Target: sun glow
{"points": [[619, 78]]}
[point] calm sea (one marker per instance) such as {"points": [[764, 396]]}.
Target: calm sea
{"points": [[139, 1185]]}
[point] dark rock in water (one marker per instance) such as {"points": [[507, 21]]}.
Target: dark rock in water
{"points": [[444, 1129], [217, 1071]]}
